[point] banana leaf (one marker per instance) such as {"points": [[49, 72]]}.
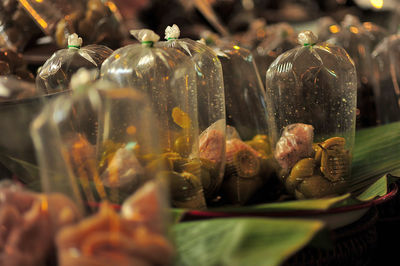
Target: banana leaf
{"points": [[250, 241]]}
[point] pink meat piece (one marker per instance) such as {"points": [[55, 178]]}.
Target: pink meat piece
{"points": [[211, 145], [235, 145], [294, 144]]}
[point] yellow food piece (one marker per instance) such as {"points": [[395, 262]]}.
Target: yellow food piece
{"points": [[181, 118]]}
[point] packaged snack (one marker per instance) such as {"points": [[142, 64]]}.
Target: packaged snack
{"points": [[168, 78], [246, 116], [211, 107], [100, 140], [311, 100], [57, 71]]}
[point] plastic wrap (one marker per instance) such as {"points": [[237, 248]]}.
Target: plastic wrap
{"points": [[357, 42], [279, 38], [16, 27], [56, 72], [168, 77], [211, 106], [246, 113], [101, 144], [95, 20], [376, 33], [386, 60], [311, 99]]}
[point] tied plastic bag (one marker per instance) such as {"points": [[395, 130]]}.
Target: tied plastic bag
{"points": [[211, 107], [168, 78], [386, 60], [246, 112], [103, 145], [311, 97], [357, 42], [57, 71]]}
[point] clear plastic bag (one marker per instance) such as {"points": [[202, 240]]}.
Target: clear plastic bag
{"points": [[101, 144], [279, 38], [95, 20], [311, 93], [56, 72], [168, 77], [357, 42], [246, 112], [386, 61], [211, 106], [16, 26]]}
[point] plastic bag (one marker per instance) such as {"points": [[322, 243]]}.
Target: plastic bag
{"points": [[386, 61], [311, 93], [101, 144], [211, 106], [246, 112], [168, 77], [56, 72], [357, 42]]}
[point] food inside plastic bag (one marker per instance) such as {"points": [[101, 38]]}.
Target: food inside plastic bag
{"points": [[246, 117], [30, 225], [311, 93], [211, 107], [167, 76], [249, 164], [107, 238], [57, 71]]}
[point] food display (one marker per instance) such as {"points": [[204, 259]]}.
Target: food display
{"points": [[249, 159], [17, 29], [211, 106], [311, 99], [57, 71], [96, 140], [95, 20], [357, 42], [168, 77], [386, 62]]}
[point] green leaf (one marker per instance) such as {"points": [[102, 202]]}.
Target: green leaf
{"points": [[235, 242], [379, 188]]}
